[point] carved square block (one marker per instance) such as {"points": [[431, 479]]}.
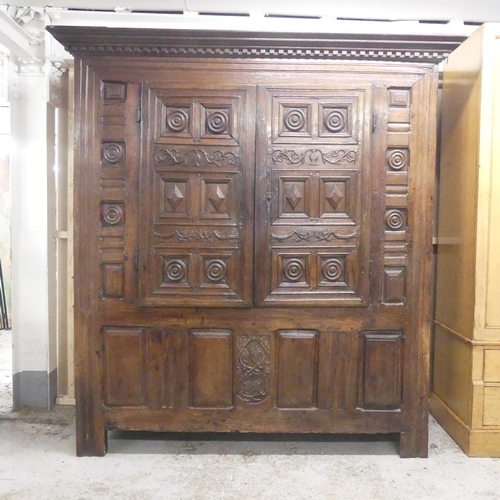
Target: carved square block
{"points": [[175, 270], [294, 270], [112, 214], [114, 91], [217, 121], [333, 270], [335, 120], [395, 220], [177, 120], [215, 270], [399, 98], [291, 118], [113, 154], [398, 159], [394, 285]]}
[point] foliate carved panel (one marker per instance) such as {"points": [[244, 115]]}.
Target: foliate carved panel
{"points": [[196, 158], [314, 156], [253, 368]]}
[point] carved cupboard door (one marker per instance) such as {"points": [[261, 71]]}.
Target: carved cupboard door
{"points": [[196, 209], [313, 196]]}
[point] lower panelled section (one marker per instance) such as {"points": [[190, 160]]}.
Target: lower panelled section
{"points": [[220, 379]]}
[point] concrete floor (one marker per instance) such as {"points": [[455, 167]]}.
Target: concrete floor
{"points": [[37, 462]]}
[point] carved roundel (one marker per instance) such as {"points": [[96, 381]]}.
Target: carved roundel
{"points": [[395, 219], [397, 159], [177, 120], [295, 120], [113, 153], [294, 270], [113, 214], [215, 270], [335, 121], [333, 269], [175, 270], [217, 122]]}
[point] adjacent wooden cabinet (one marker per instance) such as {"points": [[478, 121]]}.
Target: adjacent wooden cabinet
{"points": [[253, 232], [466, 382]]}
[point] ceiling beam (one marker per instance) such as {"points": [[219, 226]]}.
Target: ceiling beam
{"points": [[16, 39]]}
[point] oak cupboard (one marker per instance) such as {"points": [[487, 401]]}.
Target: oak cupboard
{"points": [[253, 232], [466, 383]]}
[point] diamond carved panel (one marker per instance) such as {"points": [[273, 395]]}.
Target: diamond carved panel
{"points": [[175, 194], [294, 196], [335, 195], [215, 198]]}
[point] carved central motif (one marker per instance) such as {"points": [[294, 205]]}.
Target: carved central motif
{"points": [[195, 157], [253, 368], [314, 156]]}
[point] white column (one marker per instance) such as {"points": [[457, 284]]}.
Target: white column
{"points": [[34, 372]]}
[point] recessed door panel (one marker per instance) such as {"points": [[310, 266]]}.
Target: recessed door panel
{"points": [[196, 206], [313, 196]]}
